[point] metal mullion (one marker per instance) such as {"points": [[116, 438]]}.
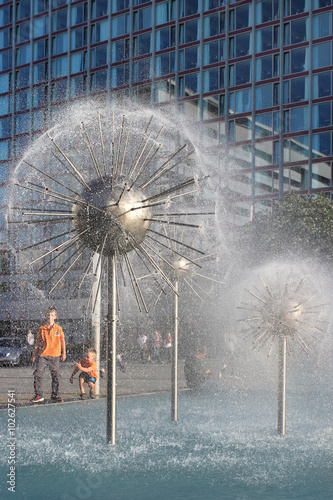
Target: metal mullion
{"points": [[153, 55], [281, 97], [13, 82], [201, 64], [69, 18], [109, 49], [253, 64], [88, 81], [176, 56], [131, 38], [310, 92], [31, 67]]}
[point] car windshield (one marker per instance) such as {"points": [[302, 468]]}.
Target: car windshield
{"points": [[10, 342]]}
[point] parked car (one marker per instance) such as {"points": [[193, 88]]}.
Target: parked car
{"points": [[15, 351]]}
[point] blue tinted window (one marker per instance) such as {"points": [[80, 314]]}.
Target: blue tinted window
{"points": [[79, 14], [5, 127], [5, 81], [23, 77], [99, 56], [23, 55], [141, 70], [5, 60], [243, 100], [99, 8], [120, 50], [79, 38], [142, 19], [59, 20], [322, 55], [98, 80], [322, 25], [59, 44], [41, 26], [118, 5], [322, 84], [264, 96], [100, 31], [78, 62], [243, 72], [322, 115], [40, 72], [59, 67], [5, 15], [23, 9], [120, 25], [5, 104]]}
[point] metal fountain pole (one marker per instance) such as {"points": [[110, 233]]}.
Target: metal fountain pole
{"points": [[111, 353], [174, 361], [282, 378], [96, 317]]}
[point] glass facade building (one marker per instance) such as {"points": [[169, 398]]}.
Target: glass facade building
{"points": [[255, 75]]}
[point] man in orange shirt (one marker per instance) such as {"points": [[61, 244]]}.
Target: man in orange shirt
{"points": [[50, 347]]}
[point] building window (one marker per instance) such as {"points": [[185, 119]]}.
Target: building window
{"points": [[267, 10], [98, 81], [321, 144], [59, 20], [79, 14], [98, 56], [142, 44], [23, 32], [322, 55], [120, 50], [59, 91], [4, 147], [58, 3], [59, 67], [100, 31], [41, 26], [189, 58], [322, 115], [243, 100], [22, 123], [241, 17], [189, 85], [23, 77], [99, 8], [211, 80], [264, 96], [40, 49], [23, 55], [5, 105], [120, 75], [213, 52], [296, 31], [39, 96], [296, 60], [6, 15], [292, 7], [188, 7], [165, 38], [322, 84], [59, 44], [23, 10], [120, 25], [79, 62], [5, 127], [189, 31], [214, 25], [40, 72], [78, 38], [78, 85], [5, 81], [240, 73], [165, 12], [296, 90], [142, 70], [267, 67], [212, 4], [5, 38], [118, 5], [143, 19], [40, 6], [5, 60], [322, 25], [165, 64]]}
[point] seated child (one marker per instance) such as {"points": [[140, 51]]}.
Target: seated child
{"points": [[88, 373]]}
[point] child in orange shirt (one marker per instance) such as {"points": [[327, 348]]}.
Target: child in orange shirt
{"points": [[88, 373]]}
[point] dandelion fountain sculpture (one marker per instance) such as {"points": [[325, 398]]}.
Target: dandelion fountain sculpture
{"points": [[282, 312], [113, 196]]}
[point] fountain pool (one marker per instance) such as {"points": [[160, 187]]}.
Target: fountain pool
{"points": [[225, 446]]}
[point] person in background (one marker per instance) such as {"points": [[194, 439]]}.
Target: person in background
{"points": [[195, 374], [167, 348], [142, 341], [157, 343], [30, 338]]}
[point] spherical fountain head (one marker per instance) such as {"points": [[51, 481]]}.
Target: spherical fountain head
{"points": [[181, 266], [115, 219]]}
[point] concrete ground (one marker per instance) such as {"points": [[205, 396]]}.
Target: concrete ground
{"points": [[137, 379]]}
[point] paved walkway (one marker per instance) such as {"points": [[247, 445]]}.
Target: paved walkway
{"points": [[137, 379]]}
